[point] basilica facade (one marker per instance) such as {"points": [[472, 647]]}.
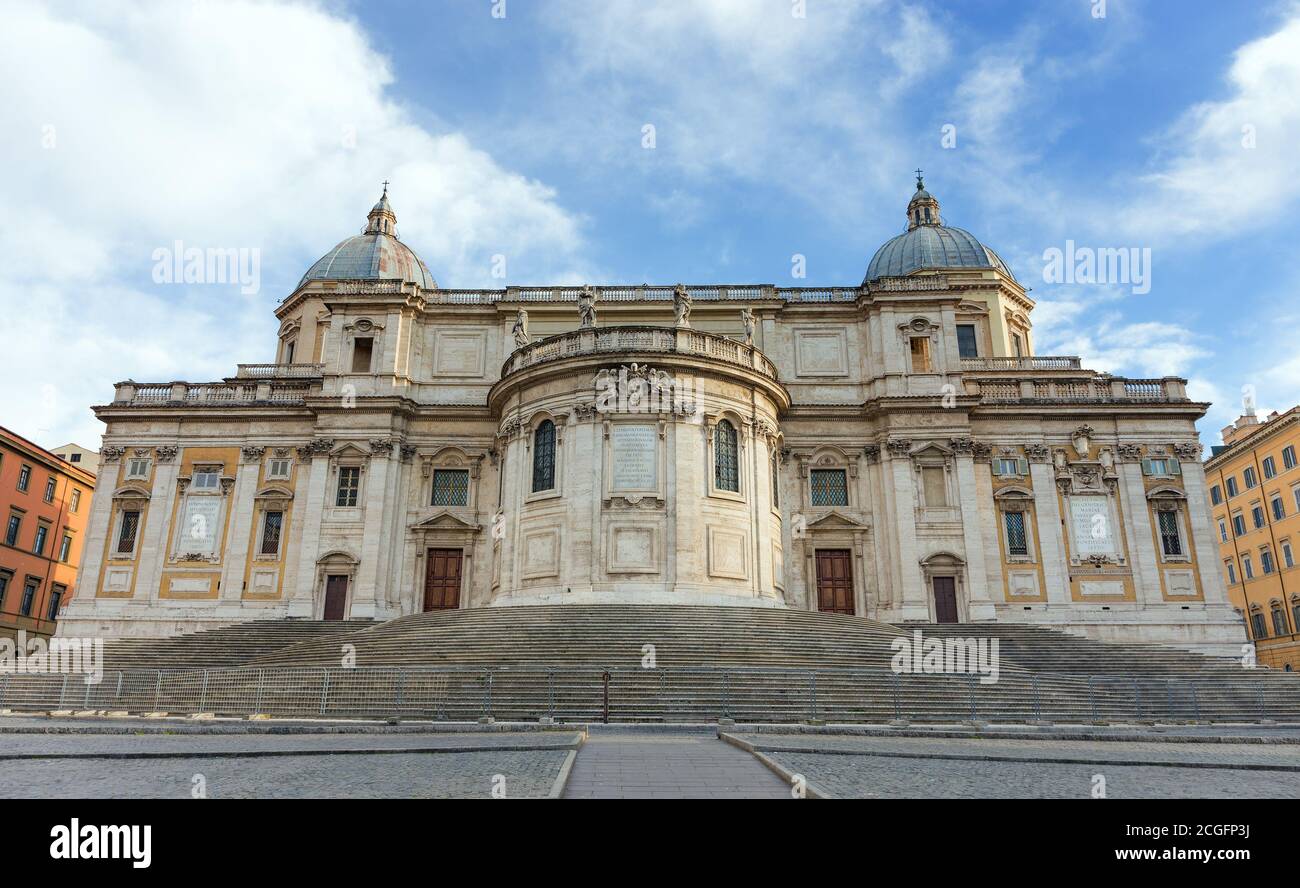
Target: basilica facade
{"points": [[894, 450]]}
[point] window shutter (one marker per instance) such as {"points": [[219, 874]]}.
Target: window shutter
{"points": [[1174, 467], [1022, 465], [1146, 466]]}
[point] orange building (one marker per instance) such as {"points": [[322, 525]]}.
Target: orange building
{"points": [[44, 504], [1254, 487]]}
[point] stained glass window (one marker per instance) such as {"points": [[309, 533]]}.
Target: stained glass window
{"points": [[450, 487], [544, 457], [829, 487], [726, 471]]}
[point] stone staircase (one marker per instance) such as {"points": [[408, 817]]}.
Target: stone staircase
{"points": [[591, 663], [232, 645]]}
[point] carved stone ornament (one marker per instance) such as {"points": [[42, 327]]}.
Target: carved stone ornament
{"points": [[1188, 452], [381, 446], [252, 454], [111, 454], [316, 447], [962, 445], [408, 452], [166, 453], [1037, 453], [583, 412], [899, 446], [1129, 452], [1082, 440], [982, 452], [872, 453]]}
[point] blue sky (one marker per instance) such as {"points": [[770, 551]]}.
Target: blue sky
{"points": [[269, 126]]}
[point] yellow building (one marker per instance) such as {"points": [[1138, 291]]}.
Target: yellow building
{"points": [[1254, 482]]}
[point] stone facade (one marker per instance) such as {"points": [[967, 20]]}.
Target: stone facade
{"points": [[418, 447]]}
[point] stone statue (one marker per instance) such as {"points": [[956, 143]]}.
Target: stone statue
{"points": [[587, 307], [682, 305], [520, 329], [747, 318]]}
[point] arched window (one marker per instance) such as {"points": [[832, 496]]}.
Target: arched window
{"points": [[544, 457], [726, 473]]}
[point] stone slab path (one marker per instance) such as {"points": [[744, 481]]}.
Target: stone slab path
{"points": [[662, 765]]}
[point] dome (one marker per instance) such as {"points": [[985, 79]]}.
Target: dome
{"points": [[929, 244], [375, 254]]}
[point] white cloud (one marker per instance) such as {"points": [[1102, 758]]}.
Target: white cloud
{"points": [[258, 125], [1208, 181]]}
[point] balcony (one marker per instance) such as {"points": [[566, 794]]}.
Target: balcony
{"points": [[214, 394], [629, 339], [280, 371], [1078, 390], [1046, 362]]}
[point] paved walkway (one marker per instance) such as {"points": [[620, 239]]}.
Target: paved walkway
{"points": [[668, 766]]}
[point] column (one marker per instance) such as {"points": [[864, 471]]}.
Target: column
{"points": [[312, 510], [1056, 565], [978, 604], [241, 505], [365, 588], [1137, 529], [911, 601]]}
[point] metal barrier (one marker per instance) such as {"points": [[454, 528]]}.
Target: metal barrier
{"points": [[676, 693]]}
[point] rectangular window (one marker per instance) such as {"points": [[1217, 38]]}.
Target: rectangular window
{"points": [[349, 486], [450, 487], [920, 346], [56, 601], [271, 525], [75, 502], [933, 482], [829, 487], [1266, 561], [1017, 542], [76, 457], [1295, 495], [1017, 346], [1157, 467], [1270, 467], [127, 531], [1232, 573], [966, 344], [1279, 511], [1257, 626], [1216, 495], [1248, 477], [1012, 466], [50, 486], [278, 469], [1232, 486], [1238, 525], [1223, 530], [1279, 621], [11, 532], [205, 478], [29, 597], [65, 549], [24, 477], [42, 533], [1170, 542], [1288, 560], [1247, 567], [1257, 516], [137, 468], [1288, 457], [362, 353]]}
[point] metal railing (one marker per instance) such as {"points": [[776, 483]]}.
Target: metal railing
{"points": [[677, 694]]}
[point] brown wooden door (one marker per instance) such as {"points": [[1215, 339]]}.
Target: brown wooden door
{"points": [[834, 581], [442, 579], [336, 597], [945, 599]]}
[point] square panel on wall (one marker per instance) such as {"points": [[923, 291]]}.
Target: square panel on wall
{"points": [[460, 353], [541, 551], [821, 351], [633, 548], [728, 553]]}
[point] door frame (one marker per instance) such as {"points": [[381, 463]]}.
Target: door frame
{"points": [[460, 590], [335, 563], [945, 564], [848, 554], [347, 595]]}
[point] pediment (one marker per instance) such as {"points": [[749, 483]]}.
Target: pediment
{"points": [[349, 448], [931, 449], [446, 521], [834, 521]]}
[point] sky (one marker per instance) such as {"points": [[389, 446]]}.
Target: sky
{"points": [[631, 141]]}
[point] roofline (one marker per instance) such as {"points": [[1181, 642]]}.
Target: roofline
{"points": [[49, 459], [1266, 429]]}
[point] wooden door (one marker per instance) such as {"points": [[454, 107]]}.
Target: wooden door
{"points": [[442, 579], [336, 597], [834, 581], [945, 599]]}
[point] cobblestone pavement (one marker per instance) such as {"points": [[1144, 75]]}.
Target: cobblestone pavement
{"points": [[659, 765], [914, 767], [321, 773]]}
